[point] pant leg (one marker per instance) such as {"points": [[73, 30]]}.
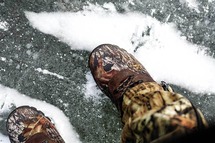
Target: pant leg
{"points": [[151, 114]]}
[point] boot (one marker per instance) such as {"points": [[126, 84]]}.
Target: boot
{"points": [[28, 125], [150, 112], [115, 70]]}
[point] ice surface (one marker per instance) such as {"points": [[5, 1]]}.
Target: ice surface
{"points": [[191, 3], [91, 90], [4, 139], [44, 71], [4, 25]]}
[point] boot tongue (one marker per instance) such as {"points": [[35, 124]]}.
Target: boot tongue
{"points": [[124, 80], [40, 138]]}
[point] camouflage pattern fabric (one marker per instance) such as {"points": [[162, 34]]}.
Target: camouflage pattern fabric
{"points": [[151, 114]]}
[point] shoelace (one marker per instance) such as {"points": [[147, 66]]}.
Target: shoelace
{"points": [[35, 125]]}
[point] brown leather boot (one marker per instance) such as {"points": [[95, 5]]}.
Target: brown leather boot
{"points": [[115, 70], [28, 125]]}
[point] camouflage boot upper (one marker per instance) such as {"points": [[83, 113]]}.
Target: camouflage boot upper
{"points": [[28, 125], [115, 70]]}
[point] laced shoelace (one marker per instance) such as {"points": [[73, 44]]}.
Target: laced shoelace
{"points": [[34, 126]]}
